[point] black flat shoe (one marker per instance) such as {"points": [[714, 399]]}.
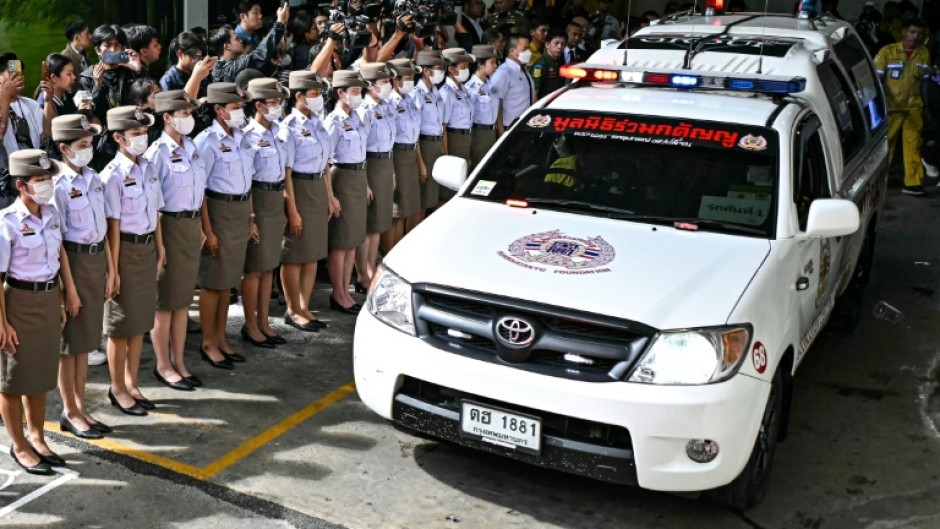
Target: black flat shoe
{"points": [[276, 340], [40, 469], [179, 385], [310, 326], [234, 357], [136, 410], [224, 364], [101, 427], [361, 289], [53, 460], [145, 404], [65, 425], [266, 344], [353, 309], [194, 380]]}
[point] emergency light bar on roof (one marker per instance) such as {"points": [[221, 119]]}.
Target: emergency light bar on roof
{"points": [[684, 79]]}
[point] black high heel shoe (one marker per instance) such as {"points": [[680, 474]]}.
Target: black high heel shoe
{"points": [[276, 340], [145, 403], [353, 309], [266, 344], [361, 289], [40, 469], [137, 410], [65, 425], [100, 426], [179, 385], [224, 364], [194, 380], [53, 460]]}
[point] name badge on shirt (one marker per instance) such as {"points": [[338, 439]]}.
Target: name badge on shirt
{"points": [[427, 99], [75, 193], [378, 116], [304, 132], [347, 127], [27, 231], [128, 181], [401, 110], [264, 143], [174, 158], [225, 148]]}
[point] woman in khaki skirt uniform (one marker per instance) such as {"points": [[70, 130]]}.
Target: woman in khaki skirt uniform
{"points": [[313, 194], [349, 132], [32, 258], [428, 99], [272, 150], [134, 197], [226, 217], [458, 109], [380, 170], [485, 103], [405, 154], [182, 175], [79, 199]]}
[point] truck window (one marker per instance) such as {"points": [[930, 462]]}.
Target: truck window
{"points": [[811, 180], [851, 53], [845, 110]]}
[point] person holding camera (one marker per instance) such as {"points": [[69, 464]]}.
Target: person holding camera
{"points": [[192, 68], [24, 130], [458, 109], [431, 140], [380, 170], [236, 55], [109, 81], [405, 153], [485, 103], [313, 195], [350, 133]]}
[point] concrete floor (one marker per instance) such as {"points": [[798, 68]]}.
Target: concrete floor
{"points": [[282, 441]]}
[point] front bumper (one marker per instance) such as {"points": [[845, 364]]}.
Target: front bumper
{"points": [[660, 420]]}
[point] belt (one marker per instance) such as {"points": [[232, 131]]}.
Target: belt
{"points": [[182, 214], [465, 132], [146, 238], [425, 137], [379, 154], [268, 186], [89, 249], [484, 127], [405, 146], [307, 176], [34, 286], [351, 166], [225, 197]]}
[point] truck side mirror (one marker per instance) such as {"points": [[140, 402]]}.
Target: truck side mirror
{"points": [[832, 217], [450, 172]]}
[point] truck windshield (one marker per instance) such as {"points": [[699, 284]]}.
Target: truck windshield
{"points": [[639, 168]]}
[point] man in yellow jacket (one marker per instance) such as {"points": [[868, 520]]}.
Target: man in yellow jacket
{"points": [[905, 70]]}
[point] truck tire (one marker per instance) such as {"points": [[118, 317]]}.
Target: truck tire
{"points": [[848, 310], [749, 488]]}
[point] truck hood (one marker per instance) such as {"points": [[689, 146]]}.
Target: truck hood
{"points": [[656, 275]]}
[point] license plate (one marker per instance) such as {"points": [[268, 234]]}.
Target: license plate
{"points": [[501, 427]]}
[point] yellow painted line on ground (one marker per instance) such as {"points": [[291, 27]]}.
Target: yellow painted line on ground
{"points": [[272, 433], [229, 459]]}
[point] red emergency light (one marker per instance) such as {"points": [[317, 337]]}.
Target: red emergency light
{"points": [[714, 7]]}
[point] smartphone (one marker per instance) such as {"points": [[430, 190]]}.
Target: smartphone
{"points": [[15, 65], [115, 57]]}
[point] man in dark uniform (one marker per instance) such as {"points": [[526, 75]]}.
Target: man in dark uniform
{"points": [[234, 55], [545, 69]]}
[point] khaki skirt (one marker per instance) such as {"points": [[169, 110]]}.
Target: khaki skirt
{"points": [[430, 152], [483, 141], [457, 145], [35, 316], [379, 215], [181, 239], [407, 183], [312, 204], [82, 334], [269, 216], [349, 187], [229, 222], [131, 312]]}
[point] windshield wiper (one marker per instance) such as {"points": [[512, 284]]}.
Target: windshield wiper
{"points": [[692, 224], [578, 205]]}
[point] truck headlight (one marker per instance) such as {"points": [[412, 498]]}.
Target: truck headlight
{"points": [[390, 301], [697, 356]]}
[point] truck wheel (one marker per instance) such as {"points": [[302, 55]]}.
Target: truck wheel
{"points": [[848, 309], [748, 489]]}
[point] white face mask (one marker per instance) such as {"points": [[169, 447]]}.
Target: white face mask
{"points": [[184, 125], [273, 113], [236, 118], [406, 87], [384, 91], [525, 57], [315, 104], [82, 157], [42, 192], [437, 76], [463, 75], [137, 145], [353, 101]]}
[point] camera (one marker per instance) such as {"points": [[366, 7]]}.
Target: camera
{"points": [[427, 14], [356, 35], [115, 57]]}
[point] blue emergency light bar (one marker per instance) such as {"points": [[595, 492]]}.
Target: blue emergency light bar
{"points": [[688, 80]]}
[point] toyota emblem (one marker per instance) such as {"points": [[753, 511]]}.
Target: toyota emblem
{"points": [[515, 332]]}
